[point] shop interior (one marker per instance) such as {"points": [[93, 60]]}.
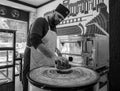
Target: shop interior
{"points": [[82, 38]]}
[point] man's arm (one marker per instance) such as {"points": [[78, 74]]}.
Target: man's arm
{"points": [[46, 51], [58, 52]]}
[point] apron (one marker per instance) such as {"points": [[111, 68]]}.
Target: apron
{"points": [[37, 57]]}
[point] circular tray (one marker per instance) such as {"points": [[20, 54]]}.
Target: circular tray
{"points": [[76, 76]]}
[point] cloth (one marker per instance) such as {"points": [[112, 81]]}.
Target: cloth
{"points": [[38, 58], [26, 69]]}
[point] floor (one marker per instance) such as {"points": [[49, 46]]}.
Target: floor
{"points": [[18, 85]]}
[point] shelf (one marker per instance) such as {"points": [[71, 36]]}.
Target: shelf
{"points": [[6, 63], [5, 76], [7, 31], [70, 41], [6, 48], [4, 79], [18, 59], [6, 66]]}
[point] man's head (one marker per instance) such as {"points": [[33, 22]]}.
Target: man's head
{"points": [[62, 10], [59, 14], [55, 18]]}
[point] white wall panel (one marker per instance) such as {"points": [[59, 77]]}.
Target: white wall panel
{"points": [[18, 6]]}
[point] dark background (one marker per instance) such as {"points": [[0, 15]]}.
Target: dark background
{"points": [[114, 75], [23, 15]]}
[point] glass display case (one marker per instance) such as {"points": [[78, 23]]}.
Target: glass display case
{"points": [[7, 59], [21, 33]]}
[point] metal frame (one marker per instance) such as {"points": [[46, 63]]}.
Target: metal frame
{"points": [[13, 65]]}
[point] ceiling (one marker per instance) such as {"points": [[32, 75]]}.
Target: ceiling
{"points": [[32, 3]]}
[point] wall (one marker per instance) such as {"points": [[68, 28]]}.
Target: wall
{"points": [[48, 7], [21, 7], [18, 6], [53, 5]]}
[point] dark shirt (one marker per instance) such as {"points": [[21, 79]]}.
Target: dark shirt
{"points": [[37, 31]]}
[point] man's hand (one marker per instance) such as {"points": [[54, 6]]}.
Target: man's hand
{"points": [[62, 63]]}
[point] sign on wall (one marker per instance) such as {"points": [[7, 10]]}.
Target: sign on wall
{"points": [[13, 13], [79, 9], [81, 6]]}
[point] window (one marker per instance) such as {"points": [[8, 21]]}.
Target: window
{"points": [[21, 31]]}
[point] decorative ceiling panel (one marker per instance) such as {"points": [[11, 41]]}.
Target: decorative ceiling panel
{"points": [[32, 3], [35, 2]]}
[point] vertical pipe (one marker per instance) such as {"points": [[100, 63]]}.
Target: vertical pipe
{"points": [[81, 7], [98, 1], [102, 1], [87, 7], [14, 50], [7, 62], [74, 10], [94, 4], [84, 6]]}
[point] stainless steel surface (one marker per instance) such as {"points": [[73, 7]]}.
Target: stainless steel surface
{"points": [[78, 79]]}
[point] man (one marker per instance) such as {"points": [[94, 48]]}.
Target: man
{"points": [[41, 42]]}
